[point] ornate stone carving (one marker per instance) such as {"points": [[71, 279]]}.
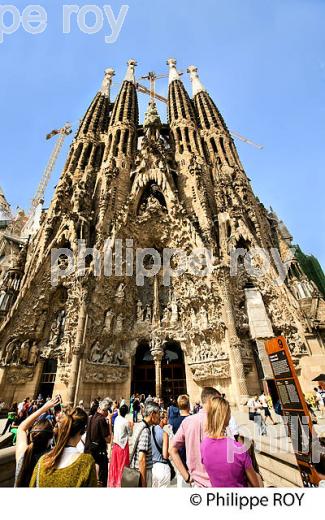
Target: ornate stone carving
{"points": [[19, 375], [105, 374], [95, 353], [214, 369]]}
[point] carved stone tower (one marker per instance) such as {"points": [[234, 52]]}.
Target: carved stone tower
{"points": [[110, 296]]}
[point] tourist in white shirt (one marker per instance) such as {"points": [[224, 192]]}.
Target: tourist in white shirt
{"points": [[263, 401], [254, 411], [120, 456]]}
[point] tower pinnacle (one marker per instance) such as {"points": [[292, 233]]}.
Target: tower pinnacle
{"points": [[107, 82], [130, 71], [151, 117], [173, 74], [196, 82]]}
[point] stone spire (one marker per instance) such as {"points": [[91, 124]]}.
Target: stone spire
{"points": [[107, 82], [126, 104], [173, 74], [196, 83], [214, 131], [130, 71], [96, 119], [152, 117]]}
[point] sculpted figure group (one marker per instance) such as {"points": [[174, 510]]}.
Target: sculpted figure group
{"points": [[105, 356], [19, 352]]}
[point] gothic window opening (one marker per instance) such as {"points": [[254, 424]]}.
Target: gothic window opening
{"points": [[180, 140], [182, 107], [188, 141], [76, 158], [196, 141], [175, 178], [106, 118], [204, 113], [121, 105], [214, 146], [109, 146], [222, 144], [98, 156], [125, 141], [116, 142], [86, 156], [205, 150], [228, 230]]}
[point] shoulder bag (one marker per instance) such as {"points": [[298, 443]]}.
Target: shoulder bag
{"points": [[131, 477]]}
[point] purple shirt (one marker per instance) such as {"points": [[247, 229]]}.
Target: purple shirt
{"points": [[225, 462]]}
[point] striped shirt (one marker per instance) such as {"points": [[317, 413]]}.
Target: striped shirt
{"points": [[144, 445]]}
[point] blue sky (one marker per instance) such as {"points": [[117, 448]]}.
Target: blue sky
{"points": [[263, 62]]}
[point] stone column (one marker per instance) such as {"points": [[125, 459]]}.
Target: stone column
{"points": [[157, 356], [236, 362], [77, 349]]}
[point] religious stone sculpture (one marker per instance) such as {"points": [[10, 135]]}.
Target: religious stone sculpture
{"points": [[139, 311], [24, 351], [95, 353], [33, 354]]}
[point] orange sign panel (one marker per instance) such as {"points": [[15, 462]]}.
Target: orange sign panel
{"points": [[294, 408]]}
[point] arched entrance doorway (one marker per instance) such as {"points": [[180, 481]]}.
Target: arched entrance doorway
{"points": [[48, 378], [172, 371], [143, 377]]}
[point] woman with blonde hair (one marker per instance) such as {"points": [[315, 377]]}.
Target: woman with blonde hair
{"points": [[65, 466], [226, 461]]}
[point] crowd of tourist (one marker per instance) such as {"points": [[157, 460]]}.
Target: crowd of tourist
{"points": [[58, 446]]}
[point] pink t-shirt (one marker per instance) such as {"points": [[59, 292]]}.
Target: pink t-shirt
{"points": [[190, 435], [225, 462]]}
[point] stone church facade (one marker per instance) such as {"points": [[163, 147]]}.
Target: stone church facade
{"points": [[175, 186]]}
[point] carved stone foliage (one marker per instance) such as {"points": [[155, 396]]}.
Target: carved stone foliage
{"points": [[213, 369], [105, 374]]}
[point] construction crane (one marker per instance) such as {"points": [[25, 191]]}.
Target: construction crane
{"points": [[62, 132], [39, 195], [152, 77]]}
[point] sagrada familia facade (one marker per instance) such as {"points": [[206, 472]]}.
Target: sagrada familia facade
{"points": [[175, 186]]}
